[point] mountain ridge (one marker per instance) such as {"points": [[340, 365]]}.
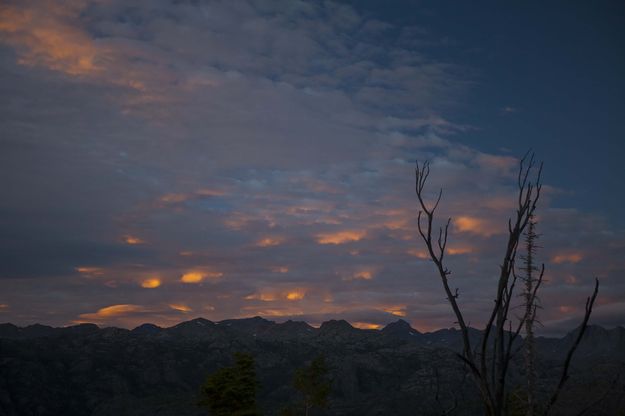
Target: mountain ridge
{"points": [[150, 370], [261, 325]]}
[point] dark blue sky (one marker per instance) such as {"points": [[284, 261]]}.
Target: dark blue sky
{"points": [[557, 65], [162, 160]]}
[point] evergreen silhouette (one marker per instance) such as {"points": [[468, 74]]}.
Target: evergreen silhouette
{"points": [[313, 383], [231, 391]]}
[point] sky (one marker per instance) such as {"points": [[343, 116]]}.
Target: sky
{"points": [[162, 160]]}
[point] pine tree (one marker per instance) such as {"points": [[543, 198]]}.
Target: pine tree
{"points": [[231, 391], [313, 383]]}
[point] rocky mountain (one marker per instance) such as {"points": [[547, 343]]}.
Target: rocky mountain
{"points": [[86, 370]]}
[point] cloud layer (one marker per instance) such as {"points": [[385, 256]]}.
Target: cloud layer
{"points": [[162, 161]]}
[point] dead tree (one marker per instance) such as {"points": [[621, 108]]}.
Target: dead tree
{"points": [[489, 373], [530, 287]]}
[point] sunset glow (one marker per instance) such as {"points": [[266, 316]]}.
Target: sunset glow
{"points": [[269, 242], [129, 239], [365, 325], [364, 274], [341, 237], [180, 307], [465, 224], [459, 250], [199, 276], [295, 295], [399, 310], [151, 283], [90, 271], [567, 258], [163, 161], [113, 310]]}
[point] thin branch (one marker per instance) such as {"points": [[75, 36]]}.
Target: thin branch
{"points": [[565, 371]]}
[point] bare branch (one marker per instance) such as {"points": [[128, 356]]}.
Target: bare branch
{"points": [[590, 301], [421, 175]]}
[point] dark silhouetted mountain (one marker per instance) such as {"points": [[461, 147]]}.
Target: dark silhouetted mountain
{"points": [[289, 330], [597, 343], [402, 330], [195, 328], [336, 326], [255, 325], [9, 331], [85, 370], [41, 331], [147, 329], [79, 330]]}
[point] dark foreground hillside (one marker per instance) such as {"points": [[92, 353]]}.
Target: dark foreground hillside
{"points": [[85, 370]]}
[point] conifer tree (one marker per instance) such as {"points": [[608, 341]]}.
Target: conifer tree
{"points": [[231, 391], [312, 381]]}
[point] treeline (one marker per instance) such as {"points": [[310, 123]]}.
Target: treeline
{"points": [[232, 391]]}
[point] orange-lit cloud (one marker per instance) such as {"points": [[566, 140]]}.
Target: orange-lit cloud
{"points": [[364, 275], [420, 254], [90, 271], [151, 283], [180, 307], [274, 312], [395, 219], [3, 307], [276, 295], [197, 276], [397, 310], [132, 240], [567, 258], [113, 311], [398, 224], [566, 309], [340, 237], [476, 226], [365, 325], [53, 35], [295, 295], [47, 34], [280, 269], [269, 242], [264, 296], [459, 250]]}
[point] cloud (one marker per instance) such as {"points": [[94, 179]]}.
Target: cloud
{"points": [[269, 242], [132, 240], [113, 311], [196, 276], [151, 283], [264, 148], [567, 258], [45, 35], [180, 307], [481, 227], [341, 237]]}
